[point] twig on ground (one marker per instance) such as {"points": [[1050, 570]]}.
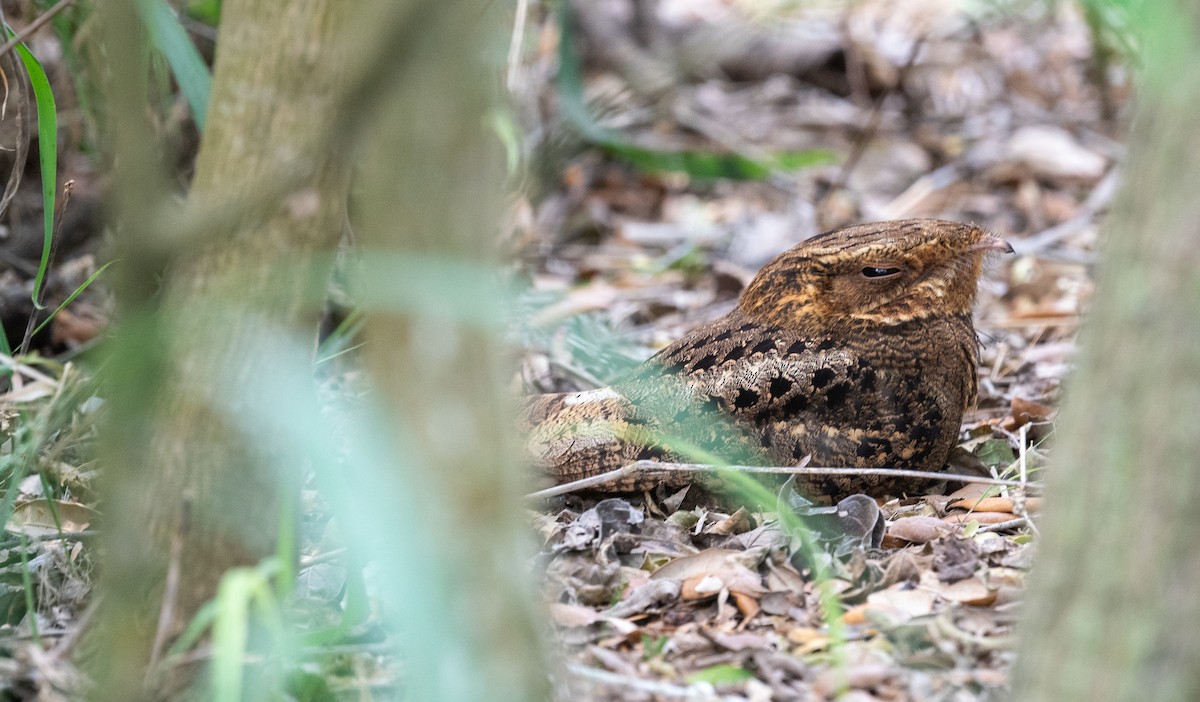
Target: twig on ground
{"points": [[1096, 202], [908, 202], [28, 371], [1005, 526], [33, 26], [40, 295], [1021, 508], [654, 687], [515, 45], [655, 466], [166, 613]]}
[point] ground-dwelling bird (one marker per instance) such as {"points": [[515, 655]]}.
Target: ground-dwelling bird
{"points": [[855, 347]]}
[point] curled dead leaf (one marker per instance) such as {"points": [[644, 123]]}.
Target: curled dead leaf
{"points": [[1026, 411], [918, 530], [44, 517], [972, 591], [986, 504]]}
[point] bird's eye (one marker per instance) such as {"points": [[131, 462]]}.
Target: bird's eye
{"points": [[879, 272]]}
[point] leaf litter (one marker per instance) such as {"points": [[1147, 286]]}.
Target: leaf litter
{"points": [[995, 118]]}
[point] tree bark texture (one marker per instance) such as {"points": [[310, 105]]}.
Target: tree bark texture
{"points": [[172, 451], [1113, 611]]}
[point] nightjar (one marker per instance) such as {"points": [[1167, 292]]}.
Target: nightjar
{"points": [[855, 347]]}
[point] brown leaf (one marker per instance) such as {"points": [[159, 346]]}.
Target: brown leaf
{"points": [[570, 615], [917, 530], [901, 602], [986, 504], [736, 523], [37, 517], [1026, 411], [746, 604], [73, 330], [971, 591]]}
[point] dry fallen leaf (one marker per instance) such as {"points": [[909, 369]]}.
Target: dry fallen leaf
{"points": [[1025, 411], [985, 504], [37, 518], [972, 591], [917, 530]]}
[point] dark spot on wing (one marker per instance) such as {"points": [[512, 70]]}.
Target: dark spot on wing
{"points": [[764, 346], [822, 377], [796, 405], [871, 447], [745, 398], [836, 394]]}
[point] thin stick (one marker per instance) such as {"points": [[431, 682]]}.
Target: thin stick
{"points": [[1005, 526], [515, 45], [654, 687], [655, 466], [28, 371], [33, 26], [166, 613], [55, 240]]}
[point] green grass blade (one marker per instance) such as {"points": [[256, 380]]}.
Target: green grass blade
{"points": [[231, 631], [47, 122], [171, 39], [70, 298], [206, 11], [700, 165]]}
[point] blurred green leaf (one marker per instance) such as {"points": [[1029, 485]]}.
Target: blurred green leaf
{"points": [[707, 165], [701, 165], [309, 687], [170, 38], [70, 298], [230, 631], [47, 121], [653, 646], [723, 674], [206, 11], [995, 453]]}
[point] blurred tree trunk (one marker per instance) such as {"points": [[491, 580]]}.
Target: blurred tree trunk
{"points": [[430, 189], [171, 452], [418, 86], [1113, 612]]}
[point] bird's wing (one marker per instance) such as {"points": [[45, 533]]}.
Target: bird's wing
{"points": [[759, 376], [574, 435]]}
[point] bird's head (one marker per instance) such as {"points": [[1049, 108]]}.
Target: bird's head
{"points": [[884, 273]]}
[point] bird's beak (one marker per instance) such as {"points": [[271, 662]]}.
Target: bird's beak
{"points": [[993, 243]]}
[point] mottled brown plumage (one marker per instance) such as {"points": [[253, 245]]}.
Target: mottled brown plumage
{"points": [[855, 346]]}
